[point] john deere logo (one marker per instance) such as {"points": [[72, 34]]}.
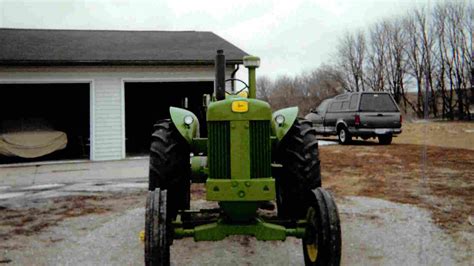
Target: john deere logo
{"points": [[240, 106]]}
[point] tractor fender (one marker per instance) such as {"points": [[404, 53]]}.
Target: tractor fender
{"points": [[187, 131], [290, 114]]}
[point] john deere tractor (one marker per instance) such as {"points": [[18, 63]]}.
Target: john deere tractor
{"points": [[250, 158]]}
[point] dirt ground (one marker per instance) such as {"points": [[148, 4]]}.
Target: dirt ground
{"points": [[442, 134], [437, 177]]}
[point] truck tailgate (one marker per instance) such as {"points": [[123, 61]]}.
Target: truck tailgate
{"points": [[380, 120]]}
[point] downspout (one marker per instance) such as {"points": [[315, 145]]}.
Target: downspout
{"points": [[233, 76]]}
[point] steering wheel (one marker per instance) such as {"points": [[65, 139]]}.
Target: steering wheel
{"points": [[239, 80]]}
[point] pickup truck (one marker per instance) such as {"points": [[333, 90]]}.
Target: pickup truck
{"points": [[358, 114]]}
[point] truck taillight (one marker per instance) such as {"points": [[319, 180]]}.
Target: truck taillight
{"points": [[357, 120], [401, 119]]}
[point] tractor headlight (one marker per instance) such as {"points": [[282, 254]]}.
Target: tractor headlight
{"points": [[280, 119], [188, 120]]}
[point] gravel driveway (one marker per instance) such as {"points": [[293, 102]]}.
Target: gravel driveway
{"points": [[375, 232]]}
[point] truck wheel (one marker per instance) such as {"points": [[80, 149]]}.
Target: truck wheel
{"points": [[157, 229], [169, 165], [322, 239], [385, 139], [299, 156], [343, 135]]}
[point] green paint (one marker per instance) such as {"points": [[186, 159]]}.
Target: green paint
{"points": [[219, 149], [258, 189], [187, 131], [252, 63], [220, 230], [222, 110], [290, 115], [257, 227], [238, 168], [260, 149], [239, 150], [252, 83], [199, 170]]}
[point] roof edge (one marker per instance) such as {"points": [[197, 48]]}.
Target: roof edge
{"points": [[113, 62]]}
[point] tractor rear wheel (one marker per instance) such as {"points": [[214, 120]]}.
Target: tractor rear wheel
{"points": [[299, 156], [322, 240], [169, 165], [157, 229]]}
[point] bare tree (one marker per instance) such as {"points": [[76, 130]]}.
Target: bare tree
{"points": [[351, 52], [395, 59], [415, 59], [264, 88], [454, 50], [375, 78], [443, 62]]}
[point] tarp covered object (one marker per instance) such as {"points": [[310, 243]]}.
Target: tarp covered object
{"points": [[32, 144]]}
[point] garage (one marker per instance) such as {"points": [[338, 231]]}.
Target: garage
{"points": [[148, 102], [102, 97], [44, 121]]}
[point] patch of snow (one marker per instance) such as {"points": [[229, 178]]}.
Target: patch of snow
{"points": [[11, 195], [42, 187], [326, 142], [129, 185]]}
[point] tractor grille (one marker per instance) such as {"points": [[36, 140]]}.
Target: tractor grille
{"points": [[260, 149], [219, 149]]}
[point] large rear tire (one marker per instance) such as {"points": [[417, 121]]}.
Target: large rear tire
{"points": [[169, 165], [157, 229], [298, 153], [322, 240]]}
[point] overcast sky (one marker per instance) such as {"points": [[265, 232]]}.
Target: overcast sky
{"points": [[290, 36]]}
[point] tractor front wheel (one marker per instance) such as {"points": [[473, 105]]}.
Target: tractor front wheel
{"points": [[157, 229], [299, 156], [322, 240]]}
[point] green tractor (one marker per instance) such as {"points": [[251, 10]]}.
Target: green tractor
{"points": [[249, 158]]}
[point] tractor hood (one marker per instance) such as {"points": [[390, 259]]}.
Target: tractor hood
{"points": [[239, 109]]}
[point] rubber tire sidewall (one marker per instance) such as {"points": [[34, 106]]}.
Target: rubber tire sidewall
{"points": [[173, 164], [293, 184], [348, 137], [328, 230], [157, 229]]}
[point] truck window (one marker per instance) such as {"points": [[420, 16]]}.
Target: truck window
{"points": [[345, 105], [377, 102], [323, 107], [353, 104], [335, 107]]}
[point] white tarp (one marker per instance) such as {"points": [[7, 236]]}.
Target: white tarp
{"points": [[32, 144]]}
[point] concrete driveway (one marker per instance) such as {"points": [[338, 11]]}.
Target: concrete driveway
{"points": [[73, 172]]}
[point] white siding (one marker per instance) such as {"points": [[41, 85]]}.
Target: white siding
{"points": [[107, 110], [108, 119]]}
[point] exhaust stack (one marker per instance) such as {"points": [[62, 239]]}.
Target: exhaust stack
{"points": [[219, 84]]}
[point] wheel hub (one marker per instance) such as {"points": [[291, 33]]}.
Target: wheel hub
{"points": [[342, 135], [312, 250]]}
